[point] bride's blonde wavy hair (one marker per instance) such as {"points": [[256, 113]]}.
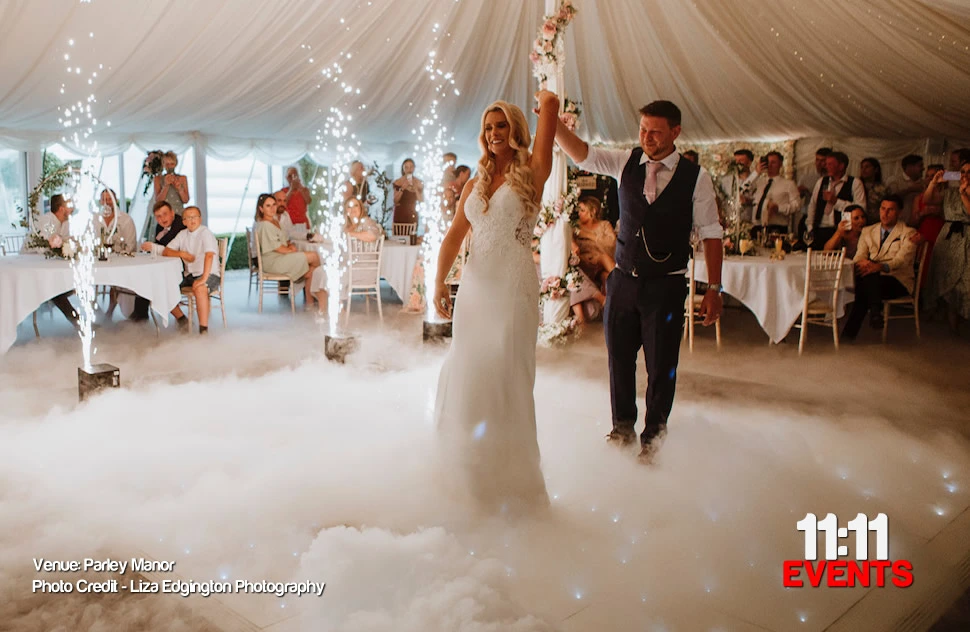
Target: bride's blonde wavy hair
{"points": [[518, 175]]}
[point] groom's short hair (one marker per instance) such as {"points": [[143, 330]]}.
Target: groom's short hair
{"points": [[663, 109]]}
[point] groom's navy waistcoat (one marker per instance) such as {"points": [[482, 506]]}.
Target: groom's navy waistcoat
{"points": [[666, 224]]}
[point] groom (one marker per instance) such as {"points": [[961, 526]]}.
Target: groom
{"points": [[662, 200]]}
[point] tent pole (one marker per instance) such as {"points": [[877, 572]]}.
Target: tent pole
{"points": [[242, 202]]}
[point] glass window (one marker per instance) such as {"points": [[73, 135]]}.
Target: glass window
{"points": [[225, 183], [13, 190], [105, 167]]}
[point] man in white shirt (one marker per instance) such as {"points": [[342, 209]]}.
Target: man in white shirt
{"points": [[197, 247], [119, 225], [833, 194], [776, 200], [908, 185], [56, 223], [739, 185], [123, 239], [663, 200]]}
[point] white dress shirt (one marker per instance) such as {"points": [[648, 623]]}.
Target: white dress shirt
{"points": [[611, 162], [782, 192], [125, 238], [828, 215], [198, 243], [48, 225]]}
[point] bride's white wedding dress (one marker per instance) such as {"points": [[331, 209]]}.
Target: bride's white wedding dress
{"points": [[485, 409]]}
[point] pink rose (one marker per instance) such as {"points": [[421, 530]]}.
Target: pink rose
{"points": [[549, 30], [534, 57], [547, 47], [55, 241]]}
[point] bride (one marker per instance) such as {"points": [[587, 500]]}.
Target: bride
{"points": [[485, 409]]}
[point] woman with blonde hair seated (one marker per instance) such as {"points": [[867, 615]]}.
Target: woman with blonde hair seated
{"points": [[278, 254], [358, 225], [596, 241]]}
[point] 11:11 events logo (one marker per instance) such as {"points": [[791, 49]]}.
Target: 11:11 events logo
{"points": [[836, 570]]}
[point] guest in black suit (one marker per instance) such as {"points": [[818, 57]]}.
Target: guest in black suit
{"points": [[168, 225]]}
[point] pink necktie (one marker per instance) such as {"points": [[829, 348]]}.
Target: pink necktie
{"points": [[650, 188]]}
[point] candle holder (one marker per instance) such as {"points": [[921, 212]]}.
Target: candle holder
{"points": [[94, 379], [338, 346]]}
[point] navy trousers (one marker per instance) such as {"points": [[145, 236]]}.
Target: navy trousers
{"points": [[648, 314]]}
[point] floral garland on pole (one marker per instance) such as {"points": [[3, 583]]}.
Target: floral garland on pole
{"points": [[571, 111], [555, 287], [547, 47]]}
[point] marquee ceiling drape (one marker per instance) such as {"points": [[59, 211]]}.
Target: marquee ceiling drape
{"points": [[238, 72]]}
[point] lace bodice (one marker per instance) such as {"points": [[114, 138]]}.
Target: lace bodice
{"points": [[502, 236], [504, 225]]}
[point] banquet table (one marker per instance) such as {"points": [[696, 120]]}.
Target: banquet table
{"points": [[773, 289], [397, 264], [27, 280]]}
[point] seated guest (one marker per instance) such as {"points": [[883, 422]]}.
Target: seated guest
{"points": [[832, 194], [358, 225], [776, 198], [167, 226], [848, 232], [123, 239], [296, 198], [55, 226], [950, 269], [197, 247], [56, 222], [278, 254], [883, 266], [117, 224], [282, 214], [595, 240]]}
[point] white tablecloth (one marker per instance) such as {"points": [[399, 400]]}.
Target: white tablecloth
{"points": [[397, 265], [26, 281], [772, 290]]}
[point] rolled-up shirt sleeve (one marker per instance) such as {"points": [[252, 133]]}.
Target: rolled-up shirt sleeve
{"points": [[706, 220], [608, 162]]}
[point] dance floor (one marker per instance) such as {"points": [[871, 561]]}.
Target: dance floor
{"points": [[247, 456]]}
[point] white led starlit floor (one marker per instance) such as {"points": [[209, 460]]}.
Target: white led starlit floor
{"points": [[248, 456]]}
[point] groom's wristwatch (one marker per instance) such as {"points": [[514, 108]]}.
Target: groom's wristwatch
{"points": [[714, 286]]}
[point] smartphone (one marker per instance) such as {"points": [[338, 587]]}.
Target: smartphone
{"points": [[951, 176]]}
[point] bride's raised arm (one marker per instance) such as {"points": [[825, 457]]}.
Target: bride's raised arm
{"points": [[541, 161]]}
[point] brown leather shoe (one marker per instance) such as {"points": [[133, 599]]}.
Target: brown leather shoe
{"points": [[621, 438], [649, 450]]}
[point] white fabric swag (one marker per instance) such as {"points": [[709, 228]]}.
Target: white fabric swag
{"points": [[232, 71]]}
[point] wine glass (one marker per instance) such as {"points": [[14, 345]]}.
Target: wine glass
{"points": [[809, 238], [792, 239]]}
